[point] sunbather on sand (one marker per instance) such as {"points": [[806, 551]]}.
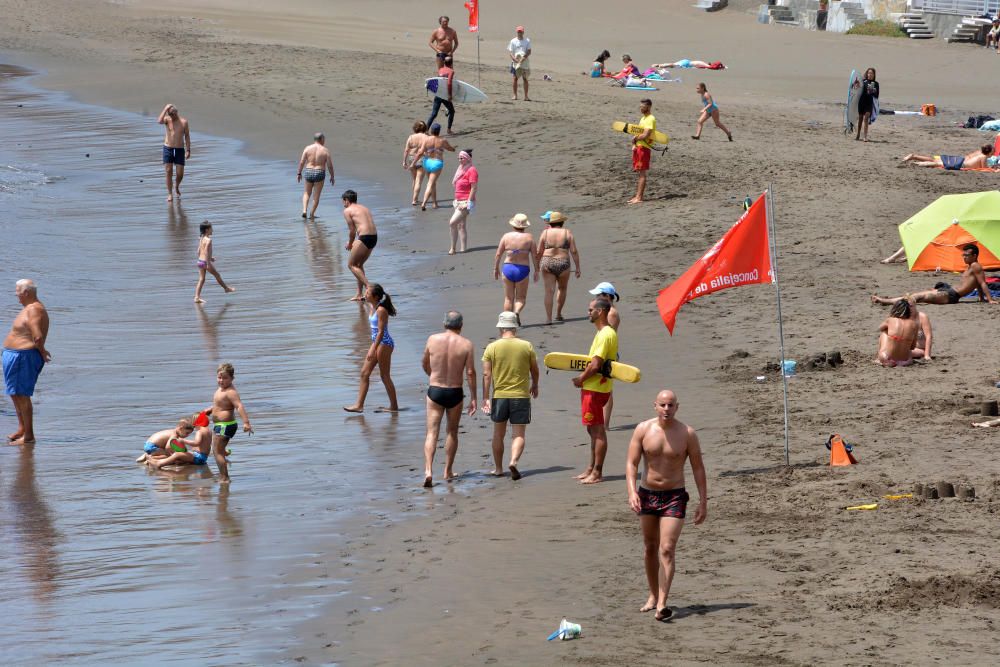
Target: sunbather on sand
{"points": [[972, 278], [974, 160], [628, 69], [897, 336], [684, 62]]}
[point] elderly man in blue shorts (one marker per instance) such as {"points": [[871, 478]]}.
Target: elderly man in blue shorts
{"points": [[24, 354]]}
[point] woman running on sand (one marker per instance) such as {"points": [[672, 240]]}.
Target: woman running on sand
{"points": [[556, 246], [380, 352], [709, 110], [518, 250], [410, 150], [432, 154]]}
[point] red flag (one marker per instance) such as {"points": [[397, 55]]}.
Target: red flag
{"points": [[473, 7], [741, 257]]}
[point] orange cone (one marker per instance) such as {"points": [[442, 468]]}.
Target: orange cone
{"points": [[839, 456]]}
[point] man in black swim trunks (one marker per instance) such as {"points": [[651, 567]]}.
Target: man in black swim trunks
{"points": [[362, 238], [448, 357], [973, 278], [661, 501]]}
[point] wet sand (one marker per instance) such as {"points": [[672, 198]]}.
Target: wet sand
{"points": [[779, 573]]}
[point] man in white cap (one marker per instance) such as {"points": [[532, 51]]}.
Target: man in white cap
{"points": [[510, 367], [607, 291], [519, 49]]}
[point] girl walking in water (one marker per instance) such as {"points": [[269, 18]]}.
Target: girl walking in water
{"points": [[206, 263], [709, 110], [431, 155], [380, 352]]}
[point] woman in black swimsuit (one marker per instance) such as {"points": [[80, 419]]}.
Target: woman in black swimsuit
{"points": [[555, 246], [866, 101]]}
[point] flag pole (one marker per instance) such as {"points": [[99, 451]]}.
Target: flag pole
{"points": [[777, 290], [479, 75]]}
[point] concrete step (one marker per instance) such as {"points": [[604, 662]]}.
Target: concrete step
{"points": [[921, 35]]}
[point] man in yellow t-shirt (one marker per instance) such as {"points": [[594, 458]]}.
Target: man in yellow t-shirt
{"points": [[642, 145], [595, 388], [508, 365]]}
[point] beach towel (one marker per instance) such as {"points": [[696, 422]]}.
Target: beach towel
{"points": [[974, 294], [990, 126]]}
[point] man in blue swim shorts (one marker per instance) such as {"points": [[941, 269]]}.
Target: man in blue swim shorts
{"points": [[24, 355], [176, 148]]}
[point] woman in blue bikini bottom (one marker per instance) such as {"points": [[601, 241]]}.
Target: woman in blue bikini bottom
{"points": [[515, 276]]}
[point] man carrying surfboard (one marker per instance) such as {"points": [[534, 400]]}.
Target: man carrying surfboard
{"points": [[595, 388], [642, 148]]}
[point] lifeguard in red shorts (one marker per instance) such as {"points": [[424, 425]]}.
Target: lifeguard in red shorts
{"points": [[595, 388], [642, 148]]}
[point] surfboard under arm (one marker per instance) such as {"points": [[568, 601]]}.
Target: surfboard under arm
{"points": [[564, 361]]}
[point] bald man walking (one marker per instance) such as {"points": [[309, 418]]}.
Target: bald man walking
{"points": [[24, 355], [661, 502]]}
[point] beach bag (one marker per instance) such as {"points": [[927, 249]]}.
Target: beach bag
{"points": [[976, 122]]}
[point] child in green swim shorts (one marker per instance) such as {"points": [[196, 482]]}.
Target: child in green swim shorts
{"points": [[225, 404]]}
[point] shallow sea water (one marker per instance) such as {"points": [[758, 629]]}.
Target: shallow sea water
{"points": [[101, 561]]}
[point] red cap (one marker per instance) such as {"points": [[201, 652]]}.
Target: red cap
{"points": [[519, 28]]}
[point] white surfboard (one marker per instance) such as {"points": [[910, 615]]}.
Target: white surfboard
{"points": [[461, 92], [853, 97]]}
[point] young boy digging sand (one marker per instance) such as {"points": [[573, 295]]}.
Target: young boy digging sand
{"points": [[163, 443], [225, 403], [201, 444]]}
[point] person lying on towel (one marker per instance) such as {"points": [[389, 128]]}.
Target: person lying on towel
{"points": [[684, 62], [974, 160]]}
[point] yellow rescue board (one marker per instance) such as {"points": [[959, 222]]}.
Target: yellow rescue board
{"points": [[564, 361], [632, 128]]}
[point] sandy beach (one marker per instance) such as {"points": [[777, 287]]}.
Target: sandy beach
{"points": [[482, 572]]}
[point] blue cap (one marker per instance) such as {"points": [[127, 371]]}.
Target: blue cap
{"points": [[545, 216], [436, 126]]}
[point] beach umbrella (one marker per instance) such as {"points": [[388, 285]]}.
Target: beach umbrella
{"points": [[933, 238]]}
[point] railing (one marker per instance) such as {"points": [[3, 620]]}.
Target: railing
{"points": [[961, 7]]}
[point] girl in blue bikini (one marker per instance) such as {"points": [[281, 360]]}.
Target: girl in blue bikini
{"points": [[709, 110], [380, 352], [517, 249], [431, 157]]}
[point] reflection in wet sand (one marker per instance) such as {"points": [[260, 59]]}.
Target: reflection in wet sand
{"points": [[181, 241], [210, 329], [323, 257], [33, 524]]}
